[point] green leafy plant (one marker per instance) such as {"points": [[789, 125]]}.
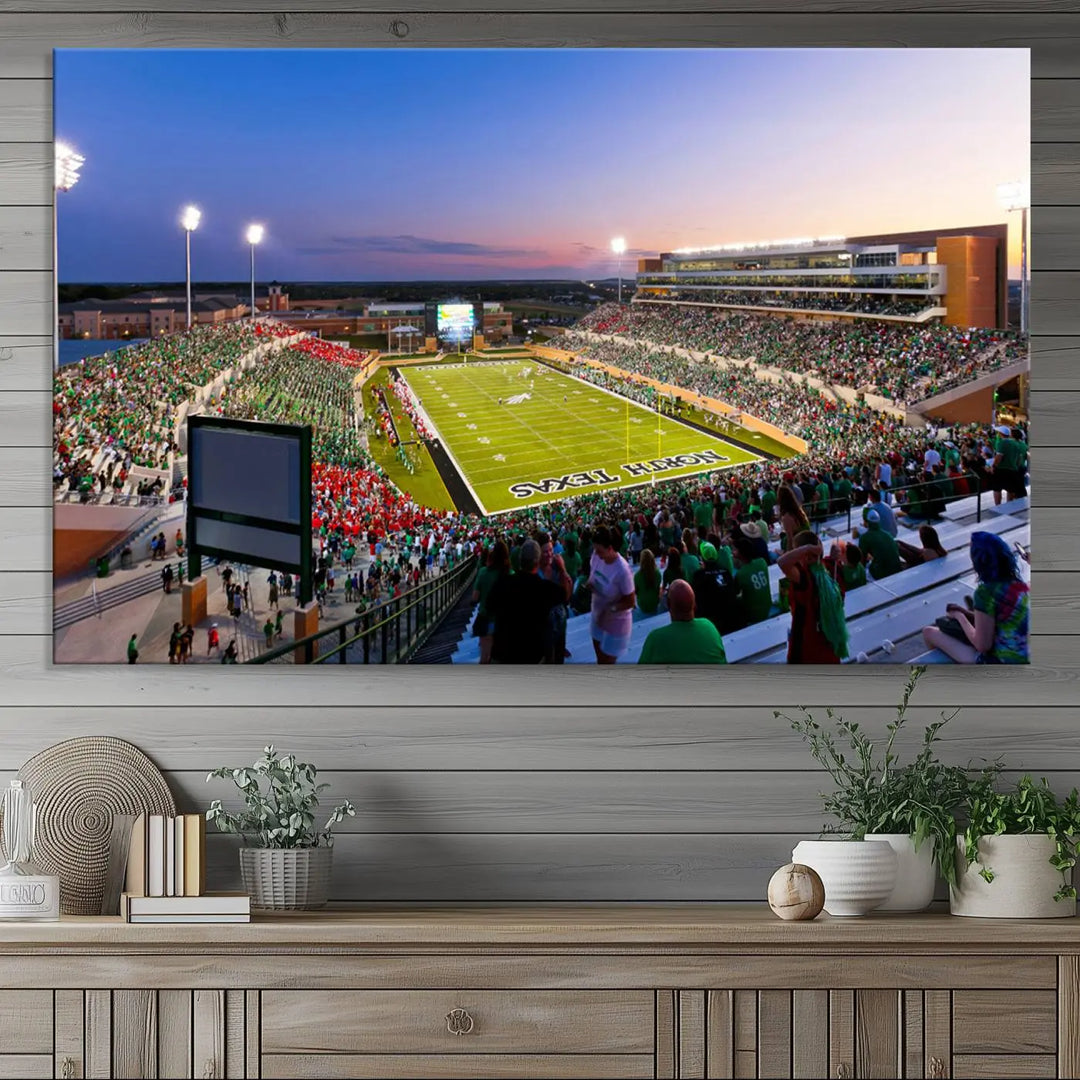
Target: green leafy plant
{"points": [[874, 793], [280, 797], [1025, 809]]}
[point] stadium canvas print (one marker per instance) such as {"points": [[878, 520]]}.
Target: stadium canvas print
{"points": [[541, 357]]}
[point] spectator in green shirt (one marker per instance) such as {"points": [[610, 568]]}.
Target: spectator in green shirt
{"points": [[852, 570], [879, 548], [703, 513], [822, 498], [495, 566], [571, 558], [685, 640], [1010, 465], [768, 505], [647, 584], [751, 583]]}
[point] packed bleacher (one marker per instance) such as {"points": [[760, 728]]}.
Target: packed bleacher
{"points": [[289, 388], [829, 425], [117, 410], [905, 364]]}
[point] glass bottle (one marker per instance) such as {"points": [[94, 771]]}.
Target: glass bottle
{"points": [[26, 892]]}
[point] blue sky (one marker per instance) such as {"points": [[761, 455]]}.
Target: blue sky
{"points": [[415, 163]]}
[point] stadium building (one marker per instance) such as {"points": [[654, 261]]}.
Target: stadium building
{"points": [[153, 313], [956, 276]]}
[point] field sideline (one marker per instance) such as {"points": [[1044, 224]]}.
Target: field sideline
{"points": [[553, 435]]}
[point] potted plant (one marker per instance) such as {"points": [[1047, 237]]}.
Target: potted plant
{"points": [[285, 859], [1017, 851], [908, 807]]}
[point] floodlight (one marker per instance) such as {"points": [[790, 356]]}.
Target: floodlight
{"points": [[68, 163], [191, 218], [1015, 195], [255, 234]]}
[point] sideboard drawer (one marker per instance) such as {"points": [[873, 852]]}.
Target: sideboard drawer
{"points": [[458, 1066], [458, 1021], [26, 1022], [1004, 1021]]}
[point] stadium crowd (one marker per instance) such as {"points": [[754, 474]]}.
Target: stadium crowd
{"points": [[117, 410], [905, 364], [609, 552], [287, 388]]}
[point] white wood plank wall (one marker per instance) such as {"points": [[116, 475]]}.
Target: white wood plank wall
{"points": [[638, 785]]}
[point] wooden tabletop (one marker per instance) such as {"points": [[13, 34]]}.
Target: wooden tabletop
{"points": [[698, 928]]}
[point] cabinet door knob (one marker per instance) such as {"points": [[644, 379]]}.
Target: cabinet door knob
{"points": [[841, 1071], [210, 1069], [459, 1022], [67, 1069], [936, 1069]]}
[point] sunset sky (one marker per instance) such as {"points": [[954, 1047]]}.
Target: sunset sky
{"points": [[413, 164]]}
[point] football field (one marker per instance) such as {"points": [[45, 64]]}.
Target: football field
{"points": [[521, 434]]}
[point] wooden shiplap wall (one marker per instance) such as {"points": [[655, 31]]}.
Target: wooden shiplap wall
{"points": [[621, 784]]}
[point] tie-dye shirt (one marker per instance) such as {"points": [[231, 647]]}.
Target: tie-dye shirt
{"points": [[1007, 603]]}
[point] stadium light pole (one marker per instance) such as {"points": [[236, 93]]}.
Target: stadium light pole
{"points": [[254, 236], [1016, 195], [65, 177], [190, 222], [618, 245]]}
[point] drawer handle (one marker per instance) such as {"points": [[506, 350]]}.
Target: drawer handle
{"points": [[210, 1069], [67, 1069], [937, 1069], [459, 1022]]}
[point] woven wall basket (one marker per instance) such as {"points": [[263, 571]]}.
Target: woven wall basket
{"points": [[78, 786]]}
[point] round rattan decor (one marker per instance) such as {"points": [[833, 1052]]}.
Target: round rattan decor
{"points": [[78, 785]]}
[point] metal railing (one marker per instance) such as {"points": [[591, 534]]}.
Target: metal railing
{"points": [[835, 505], [384, 634], [110, 498]]}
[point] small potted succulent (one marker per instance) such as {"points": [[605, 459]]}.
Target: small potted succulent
{"points": [[1016, 853], [878, 803], [285, 858]]}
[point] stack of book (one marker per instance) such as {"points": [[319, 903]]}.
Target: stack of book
{"points": [[165, 877]]}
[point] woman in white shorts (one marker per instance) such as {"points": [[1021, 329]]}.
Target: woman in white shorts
{"points": [[612, 583]]}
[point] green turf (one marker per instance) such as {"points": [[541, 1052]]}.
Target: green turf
{"points": [[563, 429], [424, 485]]}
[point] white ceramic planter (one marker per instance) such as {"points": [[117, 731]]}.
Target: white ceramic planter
{"points": [[1024, 881], [916, 874], [286, 879], [858, 875]]}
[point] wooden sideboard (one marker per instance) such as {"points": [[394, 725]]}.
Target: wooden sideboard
{"points": [[576, 991]]}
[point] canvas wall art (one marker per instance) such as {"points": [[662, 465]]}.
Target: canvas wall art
{"points": [[542, 357]]}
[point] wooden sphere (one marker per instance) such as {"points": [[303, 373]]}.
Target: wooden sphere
{"points": [[796, 892]]}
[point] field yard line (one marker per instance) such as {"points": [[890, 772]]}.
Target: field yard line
{"points": [[522, 423], [652, 412], [446, 448]]}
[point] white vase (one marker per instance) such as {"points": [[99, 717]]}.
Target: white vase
{"points": [[1024, 881], [916, 874], [858, 875]]}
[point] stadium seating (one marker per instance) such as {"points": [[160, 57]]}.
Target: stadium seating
{"points": [[894, 609]]}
